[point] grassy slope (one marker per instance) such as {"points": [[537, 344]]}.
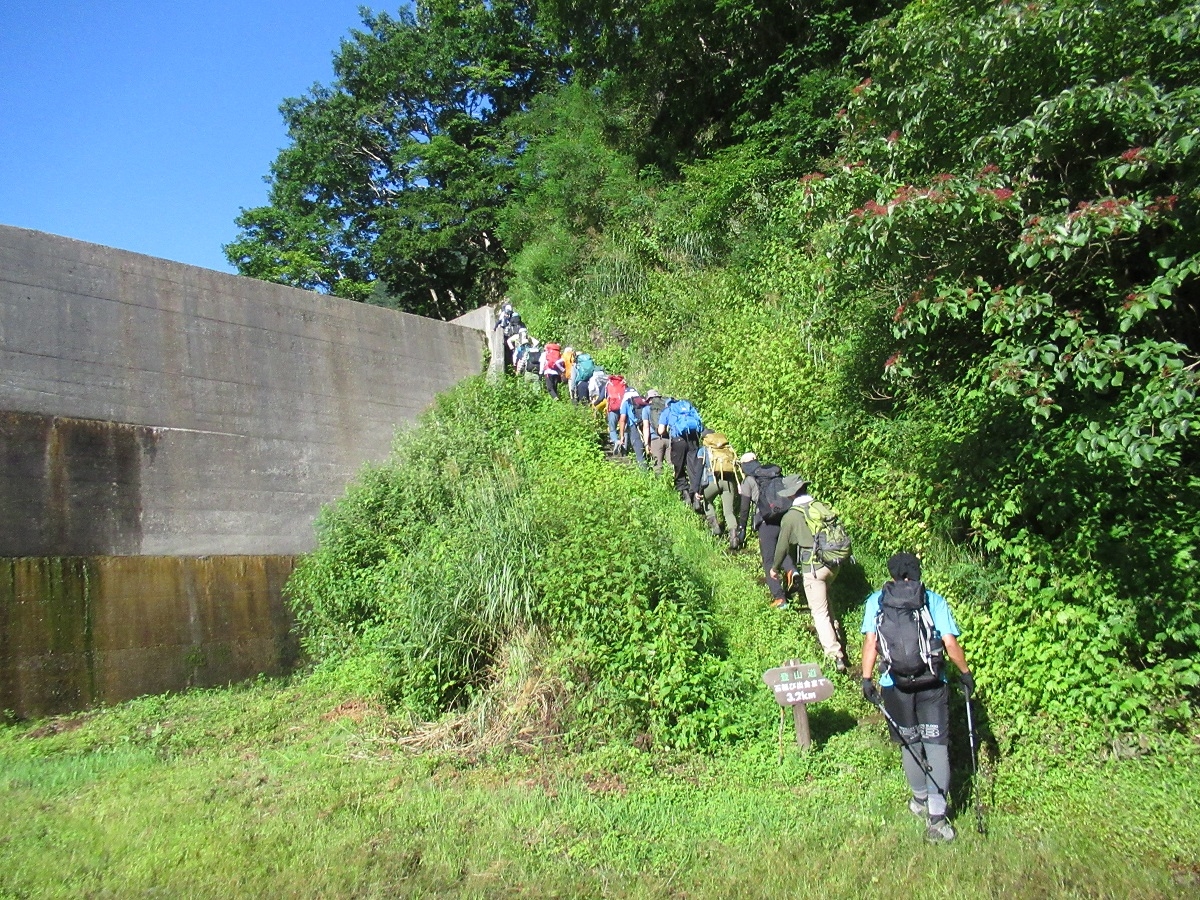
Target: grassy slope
{"points": [[280, 790], [302, 790]]}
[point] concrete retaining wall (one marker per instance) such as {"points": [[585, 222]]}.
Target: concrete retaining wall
{"points": [[84, 630], [157, 410], [247, 404]]}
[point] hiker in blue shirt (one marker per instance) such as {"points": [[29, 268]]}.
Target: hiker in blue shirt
{"points": [[631, 424], [901, 621]]}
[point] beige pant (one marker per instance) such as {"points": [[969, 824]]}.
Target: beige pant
{"points": [[816, 591]]}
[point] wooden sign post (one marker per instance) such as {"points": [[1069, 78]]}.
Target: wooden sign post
{"points": [[797, 684]]}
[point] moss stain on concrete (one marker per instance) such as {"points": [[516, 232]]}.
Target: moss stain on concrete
{"points": [[81, 631]]}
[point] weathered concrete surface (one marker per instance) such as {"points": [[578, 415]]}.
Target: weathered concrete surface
{"points": [[167, 437], [484, 319], [235, 407], [79, 631]]}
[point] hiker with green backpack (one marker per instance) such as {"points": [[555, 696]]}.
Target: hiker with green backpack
{"points": [[814, 536], [581, 374], [770, 493], [910, 630]]}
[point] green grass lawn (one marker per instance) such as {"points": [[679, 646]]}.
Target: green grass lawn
{"points": [[276, 790]]}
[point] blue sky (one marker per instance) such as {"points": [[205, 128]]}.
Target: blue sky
{"points": [[147, 125]]}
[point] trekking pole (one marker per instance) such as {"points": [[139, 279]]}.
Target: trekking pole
{"points": [[979, 823], [919, 760]]}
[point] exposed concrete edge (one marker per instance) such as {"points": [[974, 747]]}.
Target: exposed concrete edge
{"points": [[484, 319], [226, 282]]}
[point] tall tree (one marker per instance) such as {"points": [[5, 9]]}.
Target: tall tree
{"points": [[394, 172], [703, 72]]}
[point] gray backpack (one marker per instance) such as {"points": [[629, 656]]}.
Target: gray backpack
{"points": [[910, 649]]}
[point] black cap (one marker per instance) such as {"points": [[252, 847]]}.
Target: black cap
{"points": [[905, 565]]}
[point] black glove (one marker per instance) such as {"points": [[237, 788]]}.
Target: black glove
{"points": [[871, 692], [967, 680], [739, 538]]}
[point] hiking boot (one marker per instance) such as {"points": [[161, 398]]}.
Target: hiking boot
{"points": [[779, 603], [939, 831], [917, 808], [840, 664]]}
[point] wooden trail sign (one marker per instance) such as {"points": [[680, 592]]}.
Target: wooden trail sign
{"points": [[797, 684]]}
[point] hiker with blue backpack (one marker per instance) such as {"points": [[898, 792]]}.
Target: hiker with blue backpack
{"points": [[812, 533], [909, 630], [680, 421], [770, 493]]}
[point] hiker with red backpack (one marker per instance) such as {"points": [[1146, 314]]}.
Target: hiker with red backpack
{"points": [[910, 630], [813, 536], [770, 493], [552, 368], [614, 393]]}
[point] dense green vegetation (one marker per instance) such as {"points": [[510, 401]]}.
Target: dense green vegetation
{"points": [[498, 534], [971, 323], [939, 257]]}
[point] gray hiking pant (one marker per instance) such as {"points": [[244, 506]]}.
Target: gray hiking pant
{"points": [[924, 720], [727, 488], [660, 451]]}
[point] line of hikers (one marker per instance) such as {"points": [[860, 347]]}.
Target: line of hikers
{"points": [[801, 540], [907, 629]]}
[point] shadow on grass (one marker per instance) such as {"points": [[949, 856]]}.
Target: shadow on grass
{"points": [[846, 596], [973, 777], [825, 723]]}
